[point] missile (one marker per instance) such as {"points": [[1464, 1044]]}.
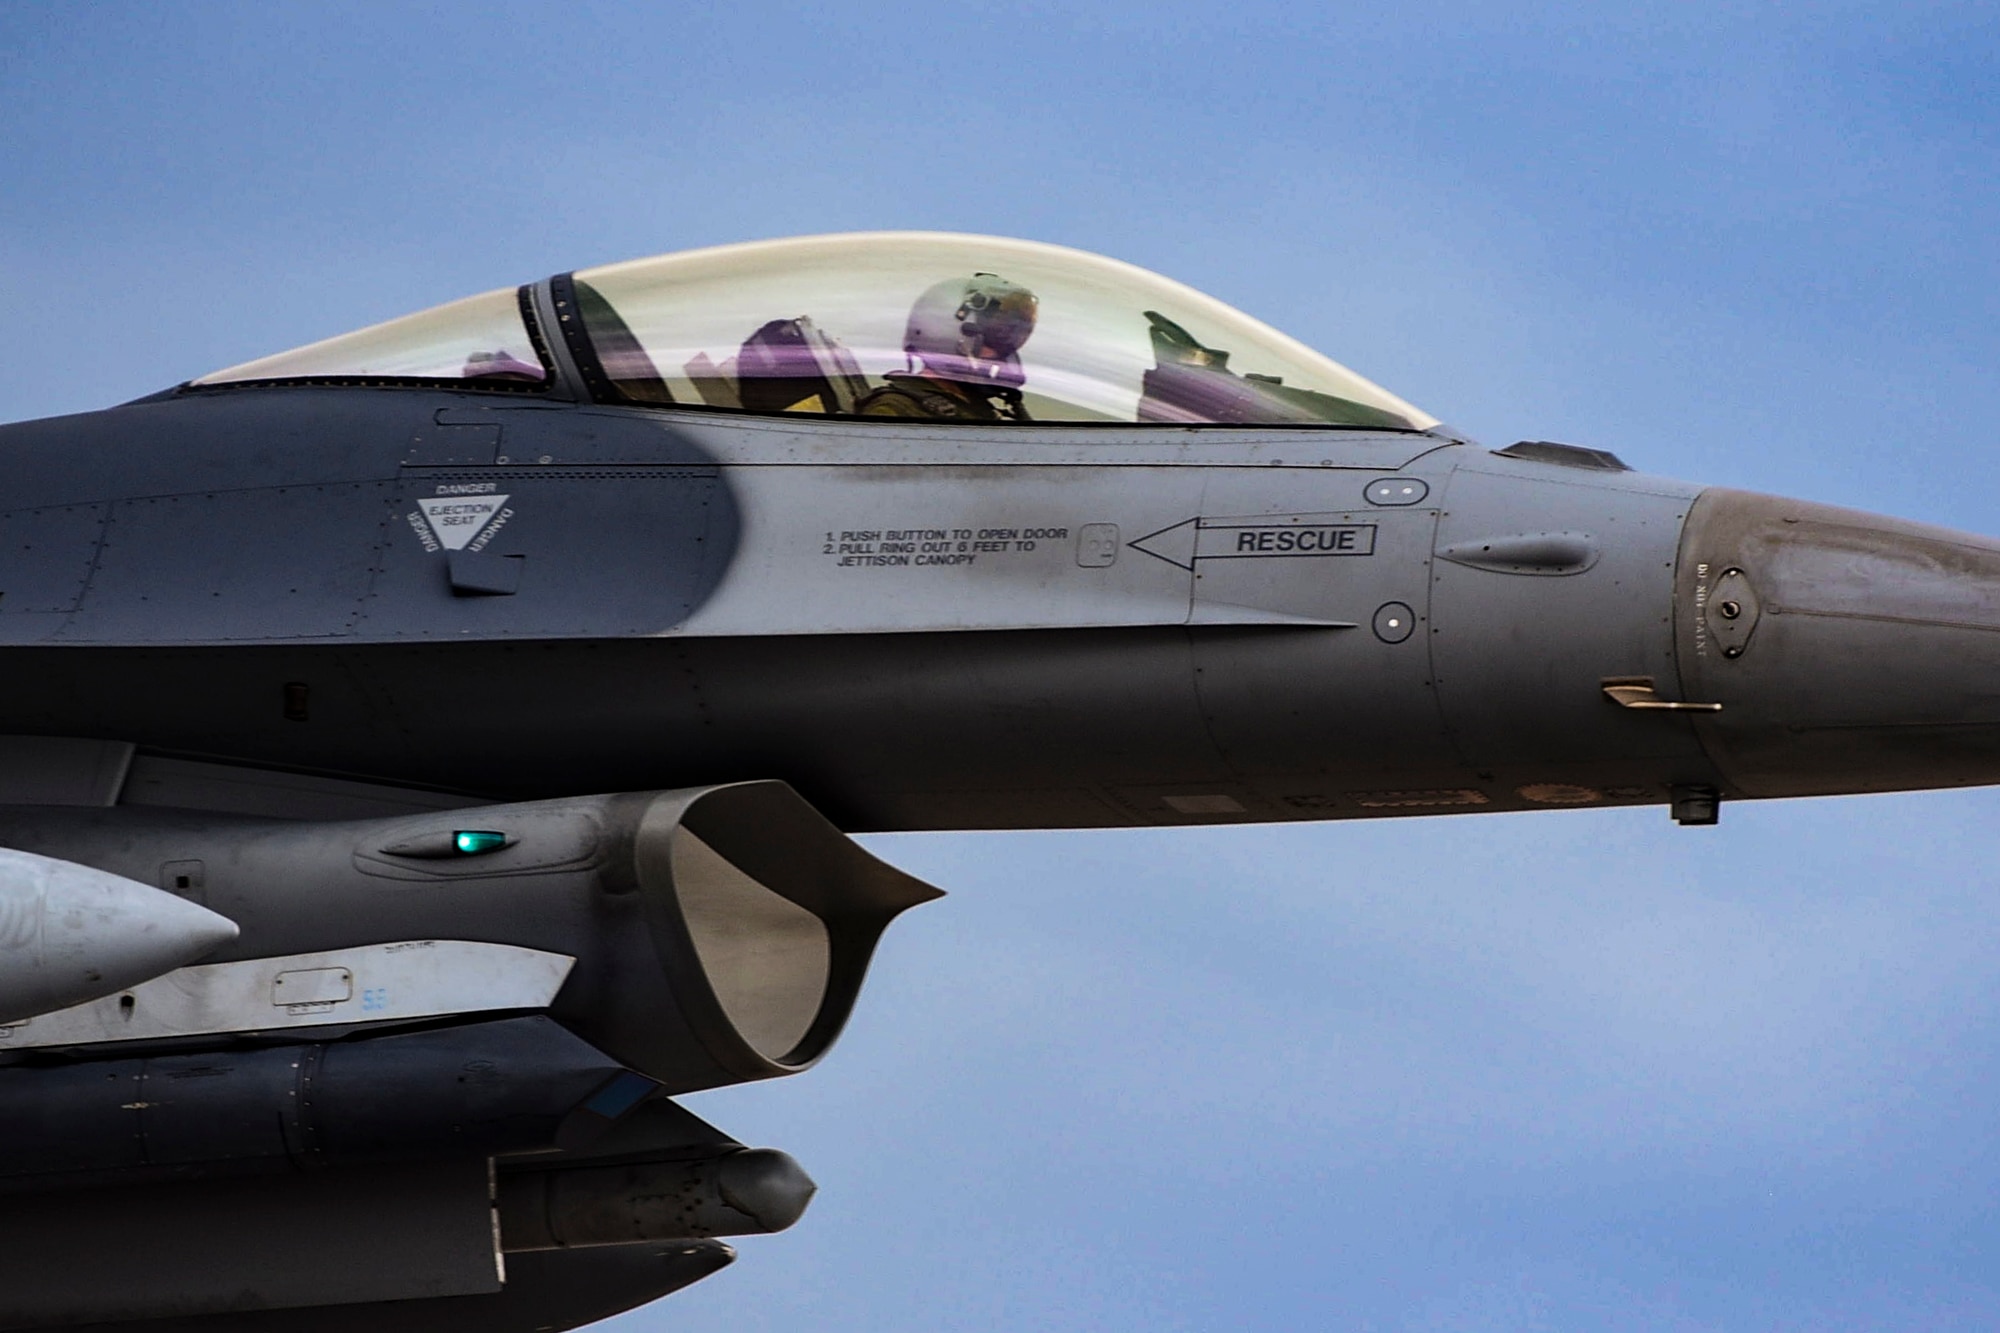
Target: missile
{"points": [[70, 934]]}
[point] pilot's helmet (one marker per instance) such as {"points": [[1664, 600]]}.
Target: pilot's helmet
{"points": [[972, 328]]}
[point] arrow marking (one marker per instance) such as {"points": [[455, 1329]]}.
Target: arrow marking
{"points": [[1276, 536]]}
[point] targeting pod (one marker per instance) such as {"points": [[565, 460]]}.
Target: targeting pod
{"points": [[744, 1192]]}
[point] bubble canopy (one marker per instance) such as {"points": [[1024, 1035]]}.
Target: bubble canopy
{"points": [[882, 325]]}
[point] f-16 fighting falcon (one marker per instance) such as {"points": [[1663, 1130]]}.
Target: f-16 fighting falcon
{"points": [[425, 753]]}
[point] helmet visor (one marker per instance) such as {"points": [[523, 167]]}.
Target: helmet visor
{"points": [[997, 319]]}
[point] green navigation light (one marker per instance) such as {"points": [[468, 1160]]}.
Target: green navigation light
{"points": [[475, 842]]}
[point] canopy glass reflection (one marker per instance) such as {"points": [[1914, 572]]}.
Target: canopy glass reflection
{"points": [[885, 325], [929, 325]]}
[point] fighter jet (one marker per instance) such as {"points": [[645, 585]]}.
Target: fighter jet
{"points": [[425, 753]]}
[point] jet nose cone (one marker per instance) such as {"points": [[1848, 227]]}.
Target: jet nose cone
{"points": [[70, 933], [1850, 652]]}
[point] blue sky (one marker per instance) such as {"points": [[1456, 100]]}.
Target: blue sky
{"points": [[1562, 1071]]}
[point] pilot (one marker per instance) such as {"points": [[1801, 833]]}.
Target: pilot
{"points": [[964, 342]]}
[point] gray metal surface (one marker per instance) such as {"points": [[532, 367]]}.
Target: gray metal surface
{"points": [[1862, 653], [1550, 581], [595, 879], [546, 1292], [70, 933], [305, 1101], [680, 596], [374, 983], [150, 1252], [743, 1192], [362, 665]]}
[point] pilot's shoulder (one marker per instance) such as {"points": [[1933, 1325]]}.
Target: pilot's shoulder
{"points": [[897, 399], [890, 402]]}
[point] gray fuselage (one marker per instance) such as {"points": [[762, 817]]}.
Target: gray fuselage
{"points": [[930, 626]]}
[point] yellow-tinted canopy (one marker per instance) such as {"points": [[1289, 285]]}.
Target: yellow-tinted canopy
{"points": [[890, 324]]}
